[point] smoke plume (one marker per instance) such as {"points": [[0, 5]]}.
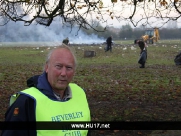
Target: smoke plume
{"points": [[56, 32]]}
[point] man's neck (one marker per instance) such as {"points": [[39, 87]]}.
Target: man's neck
{"points": [[59, 93]]}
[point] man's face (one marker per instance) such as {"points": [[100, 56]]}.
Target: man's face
{"points": [[60, 69]]}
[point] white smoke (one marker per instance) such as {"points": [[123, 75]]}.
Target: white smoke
{"points": [[17, 32]]}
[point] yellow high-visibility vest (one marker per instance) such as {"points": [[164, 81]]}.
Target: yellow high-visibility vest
{"points": [[75, 109]]}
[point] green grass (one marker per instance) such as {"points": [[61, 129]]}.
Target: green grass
{"points": [[113, 82]]}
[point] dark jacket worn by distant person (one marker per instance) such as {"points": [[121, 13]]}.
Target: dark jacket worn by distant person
{"points": [[66, 41], [109, 44], [177, 59], [143, 54], [141, 44]]}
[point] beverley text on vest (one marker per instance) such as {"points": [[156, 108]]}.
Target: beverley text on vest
{"points": [[68, 116]]}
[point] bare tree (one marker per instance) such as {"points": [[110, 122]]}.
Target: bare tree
{"points": [[82, 13]]}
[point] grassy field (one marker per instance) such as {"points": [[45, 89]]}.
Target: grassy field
{"points": [[117, 89]]}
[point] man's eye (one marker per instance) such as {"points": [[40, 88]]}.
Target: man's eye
{"points": [[69, 68], [58, 66]]}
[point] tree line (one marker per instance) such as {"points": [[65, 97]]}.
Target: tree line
{"points": [[127, 32]]}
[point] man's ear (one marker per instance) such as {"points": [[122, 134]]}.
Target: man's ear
{"points": [[46, 68]]}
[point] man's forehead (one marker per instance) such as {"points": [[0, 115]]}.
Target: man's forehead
{"points": [[61, 50], [62, 54]]}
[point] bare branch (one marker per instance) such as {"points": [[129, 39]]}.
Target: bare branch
{"points": [[83, 12]]}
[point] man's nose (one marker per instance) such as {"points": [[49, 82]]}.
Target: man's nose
{"points": [[63, 71]]}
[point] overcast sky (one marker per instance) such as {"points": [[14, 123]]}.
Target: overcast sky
{"points": [[127, 10]]}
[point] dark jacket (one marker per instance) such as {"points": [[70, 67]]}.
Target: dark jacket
{"points": [[26, 106], [177, 59], [141, 45], [109, 41], [66, 41]]}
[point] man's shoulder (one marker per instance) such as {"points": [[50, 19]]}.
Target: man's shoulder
{"points": [[32, 81], [24, 98], [22, 109], [21, 101], [22, 95], [76, 87]]}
